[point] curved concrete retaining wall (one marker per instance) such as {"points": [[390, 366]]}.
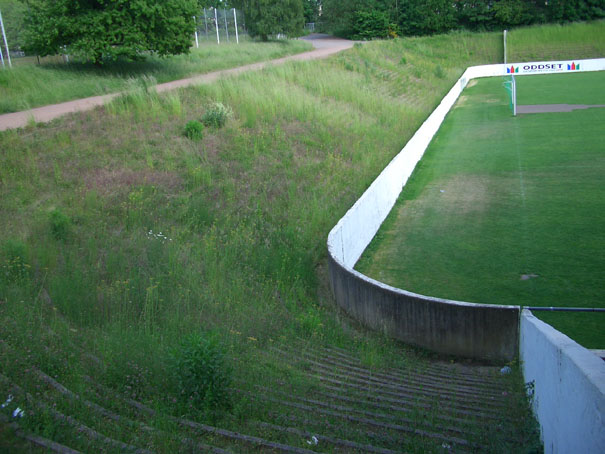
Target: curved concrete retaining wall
{"points": [[450, 327], [459, 328], [569, 388]]}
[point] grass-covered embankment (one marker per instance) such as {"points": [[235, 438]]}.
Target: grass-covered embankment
{"points": [[122, 237], [557, 42], [31, 85]]}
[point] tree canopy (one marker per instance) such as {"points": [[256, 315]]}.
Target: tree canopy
{"points": [[367, 19], [265, 18], [102, 30]]}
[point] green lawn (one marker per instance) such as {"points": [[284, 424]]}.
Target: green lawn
{"points": [[498, 197], [30, 85]]}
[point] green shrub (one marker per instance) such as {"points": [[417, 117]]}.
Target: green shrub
{"points": [[60, 224], [370, 24], [439, 72], [202, 374], [217, 115], [194, 130]]}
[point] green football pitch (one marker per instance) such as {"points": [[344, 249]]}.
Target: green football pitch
{"points": [[508, 210]]}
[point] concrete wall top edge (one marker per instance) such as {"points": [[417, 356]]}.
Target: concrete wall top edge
{"points": [[427, 298], [592, 366]]}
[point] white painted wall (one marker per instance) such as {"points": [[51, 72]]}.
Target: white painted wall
{"points": [[569, 393]]}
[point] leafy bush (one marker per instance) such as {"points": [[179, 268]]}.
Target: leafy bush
{"points": [[217, 115], [202, 374], [370, 24], [60, 224], [194, 130]]}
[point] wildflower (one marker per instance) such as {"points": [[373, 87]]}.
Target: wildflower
{"points": [[18, 413], [250, 338], [8, 401]]}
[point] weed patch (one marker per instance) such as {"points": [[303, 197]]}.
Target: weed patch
{"points": [[216, 115], [194, 130], [202, 375]]}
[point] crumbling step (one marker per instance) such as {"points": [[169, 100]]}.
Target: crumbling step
{"points": [[380, 425], [449, 382], [345, 380], [139, 426], [458, 392], [410, 423], [80, 428], [455, 373], [45, 443], [251, 441]]}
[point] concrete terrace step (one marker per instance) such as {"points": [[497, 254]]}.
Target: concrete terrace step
{"points": [[314, 409], [326, 373], [413, 380], [327, 403], [452, 372], [346, 408]]}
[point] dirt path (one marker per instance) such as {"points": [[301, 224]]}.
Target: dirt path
{"points": [[324, 47], [546, 108]]}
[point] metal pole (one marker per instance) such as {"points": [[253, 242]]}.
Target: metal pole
{"points": [[505, 47], [566, 309], [2, 57], [226, 28], [218, 40], [206, 23], [514, 88], [8, 54], [197, 43], [235, 19]]}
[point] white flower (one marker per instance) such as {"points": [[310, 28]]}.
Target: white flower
{"points": [[18, 413], [8, 401]]}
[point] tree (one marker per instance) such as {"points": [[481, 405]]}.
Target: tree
{"points": [[103, 30], [426, 17], [269, 17], [311, 10]]}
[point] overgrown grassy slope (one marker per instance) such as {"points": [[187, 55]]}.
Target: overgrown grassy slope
{"points": [[121, 236], [30, 85]]}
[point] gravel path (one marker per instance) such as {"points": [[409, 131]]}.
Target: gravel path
{"points": [[545, 108], [325, 46]]}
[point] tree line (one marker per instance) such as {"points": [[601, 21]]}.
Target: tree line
{"points": [[105, 30], [368, 19]]}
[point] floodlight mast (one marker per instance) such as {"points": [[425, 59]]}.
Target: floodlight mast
{"points": [[8, 54], [505, 47]]}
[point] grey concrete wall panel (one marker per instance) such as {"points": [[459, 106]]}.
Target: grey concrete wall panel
{"points": [[450, 327]]}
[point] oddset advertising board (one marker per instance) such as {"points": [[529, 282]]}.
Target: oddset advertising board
{"points": [[554, 66]]}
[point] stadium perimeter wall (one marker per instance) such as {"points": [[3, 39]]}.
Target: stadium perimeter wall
{"points": [[569, 381], [568, 388], [451, 327]]}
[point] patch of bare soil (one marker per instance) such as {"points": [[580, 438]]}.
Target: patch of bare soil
{"points": [[106, 182]]}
